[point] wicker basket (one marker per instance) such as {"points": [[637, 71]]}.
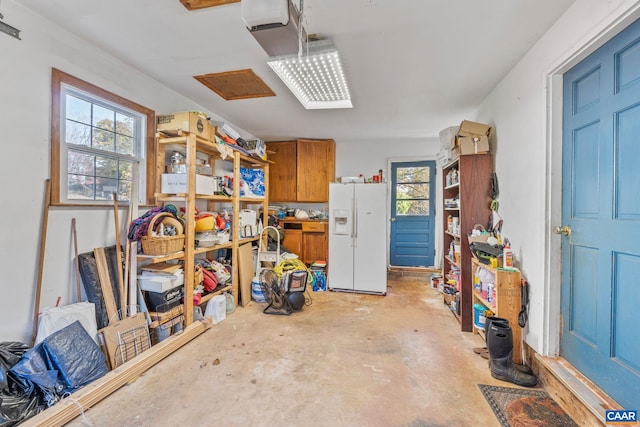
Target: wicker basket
{"points": [[162, 245]]}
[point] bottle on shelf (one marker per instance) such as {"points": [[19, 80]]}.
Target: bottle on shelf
{"points": [[507, 255]]}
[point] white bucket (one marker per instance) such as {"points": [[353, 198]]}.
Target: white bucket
{"points": [[257, 294]]}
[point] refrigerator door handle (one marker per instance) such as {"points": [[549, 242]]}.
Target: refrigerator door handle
{"points": [[354, 219]]}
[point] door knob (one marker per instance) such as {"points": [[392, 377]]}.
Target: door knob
{"points": [[565, 230], [393, 220]]}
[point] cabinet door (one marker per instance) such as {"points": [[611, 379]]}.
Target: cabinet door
{"points": [[315, 246], [282, 173], [316, 169], [293, 242]]}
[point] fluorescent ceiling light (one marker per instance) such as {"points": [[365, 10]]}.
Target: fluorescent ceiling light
{"points": [[315, 78]]}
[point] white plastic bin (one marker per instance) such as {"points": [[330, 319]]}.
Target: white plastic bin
{"points": [[216, 309]]}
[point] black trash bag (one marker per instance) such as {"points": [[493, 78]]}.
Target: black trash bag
{"points": [[10, 354], [19, 398], [75, 355]]}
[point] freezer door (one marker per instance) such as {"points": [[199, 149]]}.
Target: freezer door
{"points": [[370, 224], [341, 232]]}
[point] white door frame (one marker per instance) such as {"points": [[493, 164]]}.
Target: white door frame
{"points": [[589, 43]]}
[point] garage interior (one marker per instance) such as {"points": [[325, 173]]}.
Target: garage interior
{"points": [[467, 118]]}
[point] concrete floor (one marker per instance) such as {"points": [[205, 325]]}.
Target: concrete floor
{"points": [[345, 360]]}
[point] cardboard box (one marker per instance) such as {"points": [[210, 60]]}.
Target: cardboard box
{"points": [[184, 121], [176, 183], [257, 147], [469, 128], [469, 145]]}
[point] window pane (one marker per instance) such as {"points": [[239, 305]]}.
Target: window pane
{"points": [[125, 170], [78, 109], [124, 124], [412, 191], [80, 163], [124, 191], [412, 207], [105, 188], [103, 117], [103, 139], [413, 174], [106, 167], [124, 144], [79, 187], [77, 133]]}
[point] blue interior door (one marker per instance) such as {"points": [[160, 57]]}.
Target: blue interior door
{"points": [[412, 214], [600, 294]]}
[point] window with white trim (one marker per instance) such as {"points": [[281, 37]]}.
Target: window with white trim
{"points": [[101, 145]]}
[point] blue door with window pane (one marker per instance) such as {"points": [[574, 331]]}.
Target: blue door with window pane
{"points": [[412, 214], [600, 292]]}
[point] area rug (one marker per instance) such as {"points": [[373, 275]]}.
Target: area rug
{"points": [[516, 407]]}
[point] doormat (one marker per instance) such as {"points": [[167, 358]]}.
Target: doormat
{"points": [[525, 407]]}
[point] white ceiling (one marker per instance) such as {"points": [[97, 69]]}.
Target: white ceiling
{"points": [[414, 67]]}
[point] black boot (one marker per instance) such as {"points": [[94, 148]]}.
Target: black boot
{"points": [[505, 322], [500, 345], [483, 351]]}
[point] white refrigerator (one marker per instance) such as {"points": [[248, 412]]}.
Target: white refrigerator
{"points": [[358, 238]]}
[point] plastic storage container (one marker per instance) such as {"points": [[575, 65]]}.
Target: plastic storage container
{"points": [[478, 316], [216, 309]]}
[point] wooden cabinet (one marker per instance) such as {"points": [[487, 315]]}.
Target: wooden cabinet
{"points": [[283, 185], [314, 241], [466, 201], [504, 302], [301, 170], [307, 239], [293, 240]]}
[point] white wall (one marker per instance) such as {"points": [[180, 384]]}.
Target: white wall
{"points": [[25, 87], [524, 109], [354, 158]]}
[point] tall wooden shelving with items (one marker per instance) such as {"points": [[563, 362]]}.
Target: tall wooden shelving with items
{"points": [[472, 190], [504, 302], [193, 145]]}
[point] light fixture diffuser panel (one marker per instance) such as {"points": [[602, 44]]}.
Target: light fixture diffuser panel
{"points": [[316, 79]]}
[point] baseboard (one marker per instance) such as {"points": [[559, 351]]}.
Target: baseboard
{"points": [[576, 394], [419, 274]]}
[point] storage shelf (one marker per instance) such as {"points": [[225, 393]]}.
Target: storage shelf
{"points": [[154, 259], [194, 148], [452, 186], [163, 197], [452, 262], [473, 200], [205, 249], [482, 300], [208, 296]]}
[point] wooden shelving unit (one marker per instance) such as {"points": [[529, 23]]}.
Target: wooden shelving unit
{"points": [[507, 303], [194, 146], [473, 191]]}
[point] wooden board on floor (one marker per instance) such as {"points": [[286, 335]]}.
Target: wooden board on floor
{"points": [[67, 409], [246, 270], [111, 335]]}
